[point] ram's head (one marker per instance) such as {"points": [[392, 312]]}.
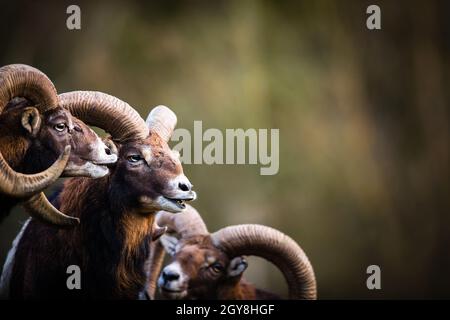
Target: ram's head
{"points": [[41, 140], [208, 266]]}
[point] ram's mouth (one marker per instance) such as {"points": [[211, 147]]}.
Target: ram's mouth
{"points": [[97, 163], [180, 203], [104, 162], [167, 290], [100, 163], [87, 169]]}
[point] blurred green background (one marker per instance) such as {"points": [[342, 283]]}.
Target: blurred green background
{"points": [[363, 118]]}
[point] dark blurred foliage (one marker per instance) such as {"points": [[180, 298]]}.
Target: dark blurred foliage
{"points": [[363, 118]]}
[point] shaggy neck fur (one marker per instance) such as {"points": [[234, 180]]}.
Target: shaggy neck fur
{"points": [[13, 151], [17, 150], [112, 243]]}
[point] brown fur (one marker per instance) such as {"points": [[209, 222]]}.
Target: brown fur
{"points": [[197, 255], [136, 228], [29, 153], [13, 143], [112, 243]]}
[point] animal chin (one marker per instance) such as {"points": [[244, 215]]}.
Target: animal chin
{"points": [[173, 294], [99, 171], [101, 160], [88, 169], [96, 168]]}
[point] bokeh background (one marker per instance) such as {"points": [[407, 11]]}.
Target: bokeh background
{"points": [[363, 118]]}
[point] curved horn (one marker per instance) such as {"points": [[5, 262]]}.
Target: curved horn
{"points": [[156, 260], [162, 121], [101, 110], [275, 246], [19, 80], [20, 185], [186, 223], [40, 208], [107, 112]]}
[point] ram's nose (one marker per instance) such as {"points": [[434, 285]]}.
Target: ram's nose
{"points": [[170, 275], [184, 184], [183, 188]]}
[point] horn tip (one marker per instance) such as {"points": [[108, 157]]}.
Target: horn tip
{"points": [[159, 231], [162, 110], [70, 222]]}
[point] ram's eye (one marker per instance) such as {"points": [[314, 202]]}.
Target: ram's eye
{"points": [[134, 158], [217, 267], [60, 127]]}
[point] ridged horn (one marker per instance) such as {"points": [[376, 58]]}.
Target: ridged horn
{"points": [[186, 223], [40, 208], [107, 112], [18, 80], [21, 185], [156, 260], [101, 110], [274, 246]]}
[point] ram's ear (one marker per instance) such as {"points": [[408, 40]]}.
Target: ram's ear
{"points": [[31, 120], [237, 267], [170, 244]]}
